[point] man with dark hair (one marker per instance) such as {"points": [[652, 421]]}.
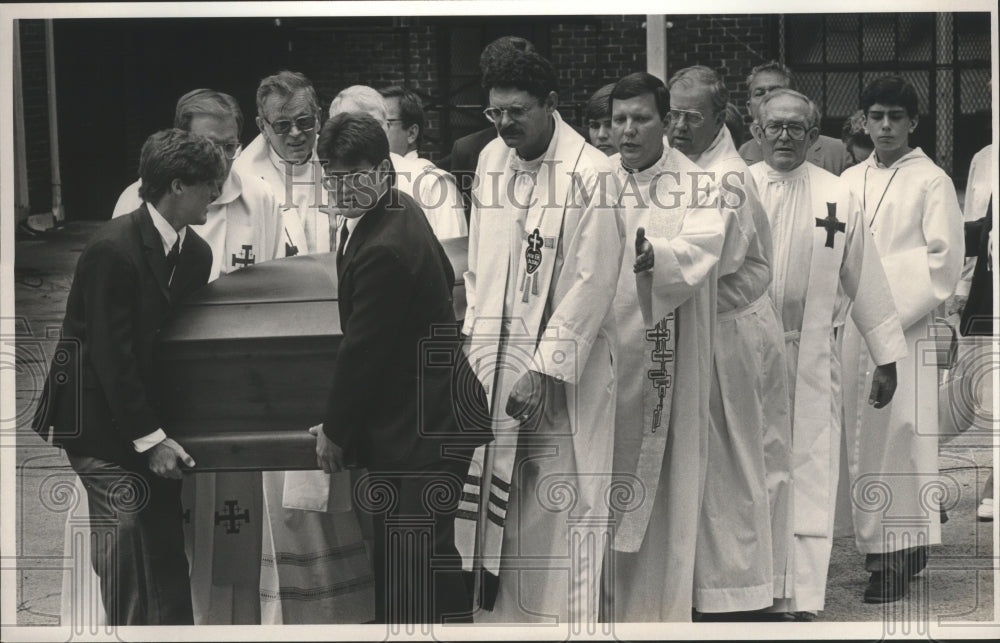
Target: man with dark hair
{"points": [[826, 152], [394, 291], [749, 399], [913, 212], [597, 117], [433, 189], [127, 280], [465, 151], [405, 120], [824, 259], [544, 249], [665, 311]]}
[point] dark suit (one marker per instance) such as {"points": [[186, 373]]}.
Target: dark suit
{"points": [[463, 160], [101, 395], [404, 403], [977, 316]]}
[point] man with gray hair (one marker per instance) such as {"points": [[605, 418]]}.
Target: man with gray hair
{"points": [[283, 155], [826, 152], [824, 258], [433, 189], [748, 403]]}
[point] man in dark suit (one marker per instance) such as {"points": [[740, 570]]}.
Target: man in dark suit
{"points": [[108, 419], [403, 402]]}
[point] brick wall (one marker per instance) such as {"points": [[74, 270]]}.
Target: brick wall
{"points": [[36, 114], [730, 44]]}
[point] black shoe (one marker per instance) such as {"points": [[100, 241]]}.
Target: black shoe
{"points": [[916, 560], [885, 588]]}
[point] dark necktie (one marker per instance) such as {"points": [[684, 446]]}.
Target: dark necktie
{"points": [[172, 257], [344, 233]]}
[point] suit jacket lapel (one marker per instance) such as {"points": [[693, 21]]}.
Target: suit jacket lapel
{"points": [[152, 246], [368, 223]]}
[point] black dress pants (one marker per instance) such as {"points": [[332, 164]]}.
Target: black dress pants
{"points": [[137, 543], [418, 571]]}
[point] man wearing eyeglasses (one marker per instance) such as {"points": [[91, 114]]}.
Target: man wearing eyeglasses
{"points": [[545, 245], [748, 405], [243, 226], [283, 155], [827, 152], [824, 258]]}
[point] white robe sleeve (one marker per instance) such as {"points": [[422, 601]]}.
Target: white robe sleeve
{"points": [[923, 277], [129, 201], [681, 264], [863, 280], [473, 260], [592, 248], [442, 203]]}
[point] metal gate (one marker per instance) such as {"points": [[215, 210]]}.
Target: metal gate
{"points": [[945, 55]]}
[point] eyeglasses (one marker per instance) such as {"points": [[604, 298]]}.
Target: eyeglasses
{"points": [[230, 150], [694, 118], [795, 131], [303, 123], [336, 182], [516, 112]]}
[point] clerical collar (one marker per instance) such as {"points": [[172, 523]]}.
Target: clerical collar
{"points": [[649, 171], [781, 175], [720, 148], [168, 235]]}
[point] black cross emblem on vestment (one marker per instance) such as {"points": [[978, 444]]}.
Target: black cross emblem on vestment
{"points": [[232, 517], [247, 259], [832, 225], [535, 241]]}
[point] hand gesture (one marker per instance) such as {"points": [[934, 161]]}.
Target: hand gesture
{"points": [[329, 456], [526, 398], [643, 252], [166, 457], [883, 385]]}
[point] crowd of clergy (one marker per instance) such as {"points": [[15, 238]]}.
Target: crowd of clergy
{"points": [[705, 344]]}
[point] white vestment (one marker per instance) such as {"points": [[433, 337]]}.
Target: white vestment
{"points": [[734, 568], [662, 462], [824, 258], [299, 191], [435, 191], [533, 521], [892, 454]]}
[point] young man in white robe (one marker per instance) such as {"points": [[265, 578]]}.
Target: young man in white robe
{"points": [[665, 309], [911, 207], [314, 566], [824, 259], [743, 519], [545, 245], [434, 190], [242, 228]]}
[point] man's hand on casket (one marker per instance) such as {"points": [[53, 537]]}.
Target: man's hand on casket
{"points": [[643, 252], [883, 385], [166, 457], [329, 456], [526, 398]]}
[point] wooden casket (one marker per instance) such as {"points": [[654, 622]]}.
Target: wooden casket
{"points": [[246, 362]]}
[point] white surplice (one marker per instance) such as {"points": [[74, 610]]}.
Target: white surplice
{"points": [[544, 248], [824, 258], [734, 568], [435, 191], [892, 454], [652, 576]]}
